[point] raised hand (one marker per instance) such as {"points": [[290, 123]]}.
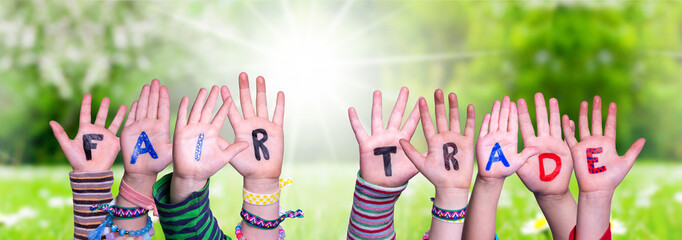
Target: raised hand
{"points": [[382, 159], [145, 138], [598, 167], [497, 144], [450, 159], [551, 174], [597, 164], [95, 147], [262, 160]]}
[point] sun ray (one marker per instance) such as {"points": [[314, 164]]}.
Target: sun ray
{"points": [[416, 58], [263, 20], [361, 32], [289, 17], [340, 15]]}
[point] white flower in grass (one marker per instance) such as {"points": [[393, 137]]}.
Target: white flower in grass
{"points": [[678, 197], [59, 202], [617, 227], [535, 226], [12, 219]]}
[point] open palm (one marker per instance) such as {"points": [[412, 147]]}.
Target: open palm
{"points": [[382, 159], [606, 169], [103, 144], [499, 132]]}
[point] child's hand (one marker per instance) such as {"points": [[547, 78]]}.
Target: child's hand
{"points": [[597, 164], [450, 159], [95, 147], [496, 148], [198, 150], [149, 153], [382, 159], [557, 165], [262, 160]]}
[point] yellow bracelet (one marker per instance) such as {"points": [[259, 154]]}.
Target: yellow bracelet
{"points": [[264, 199]]}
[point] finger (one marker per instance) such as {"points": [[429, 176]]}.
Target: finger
{"points": [[484, 126], [207, 111], [195, 113], [454, 113], [219, 118], [554, 118], [360, 133], [527, 131], [427, 123], [634, 150], [415, 156], [470, 124], [182, 114], [504, 113], [441, 119], [411, 123], [279, 110], [102, 113], [245, 96], [153, 105], [85, 109], [142, 103], [396, 118], [131, 114], [261, 100], [541, 115], [116, 123], [494, 116], [610, 129], [60, 135], [232, 115], [596, 116], [222, 143], [569, 131], [164, 105], [513, 120], [582, 121], [233, 150], [528, 152], [377, 115]]}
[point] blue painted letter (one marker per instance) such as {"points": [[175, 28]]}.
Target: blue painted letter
{"points": [[140, 150], [197, 151], [499, 158]]}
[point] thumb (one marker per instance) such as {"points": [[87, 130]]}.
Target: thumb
{"points": [[233, 150], [634, 150], [412, 154], [528, 152], [222, 143]]}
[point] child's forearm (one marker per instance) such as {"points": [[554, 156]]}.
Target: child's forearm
{"points": [[594, 213], [482, 210], [560, 212], [372, 212], [267, 212], [142, 184], [190, 218], [89, 188], [448, 198]]}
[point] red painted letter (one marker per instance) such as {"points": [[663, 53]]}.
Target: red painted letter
{"points": [[591, 160], [551, 176]]}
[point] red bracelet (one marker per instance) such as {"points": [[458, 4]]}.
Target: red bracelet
{"points": [[606, 236]]}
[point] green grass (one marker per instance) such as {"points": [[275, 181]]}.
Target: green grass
{"points": [[324, 192]]}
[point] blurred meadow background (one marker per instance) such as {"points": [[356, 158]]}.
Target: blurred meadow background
{"points": [[330, 55]]}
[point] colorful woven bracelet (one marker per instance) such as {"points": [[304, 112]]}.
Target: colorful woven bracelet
{"points": [[144, 233], [264, 199], [121, 212], [451, 216], [258, 222], [240, 235]]}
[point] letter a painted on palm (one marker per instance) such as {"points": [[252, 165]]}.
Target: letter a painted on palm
{"points": [[496, 156]]}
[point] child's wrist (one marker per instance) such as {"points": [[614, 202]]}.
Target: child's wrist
{"points": [[142, 183], [183, 186], [451, 198], [261, 185], [596, 196]]}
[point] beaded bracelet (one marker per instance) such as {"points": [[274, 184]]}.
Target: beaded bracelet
{"points": [[264, 199], [121, 212], [451, 216], [240, 235], [145, 232], [258, 222]]}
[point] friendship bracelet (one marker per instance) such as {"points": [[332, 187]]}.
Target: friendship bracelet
{"points": [[257, 222], [240, 235], [451, 216], [137, 198], [264, 199], [121, 212], [426, 235], [145, 233]]}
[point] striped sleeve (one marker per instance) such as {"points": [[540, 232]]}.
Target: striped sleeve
{"points": [[372, 213], [89, 188], [189, 219]]}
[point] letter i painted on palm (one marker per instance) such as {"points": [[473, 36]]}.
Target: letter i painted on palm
{"points": [[496, 156], [139, 149], [197, 151], [591, 160]]}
